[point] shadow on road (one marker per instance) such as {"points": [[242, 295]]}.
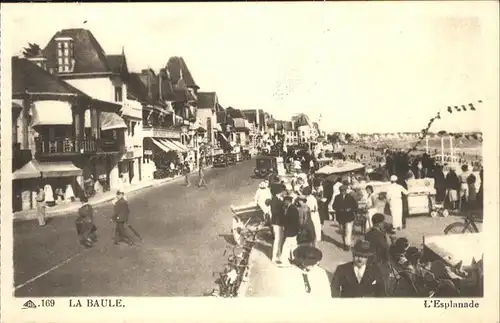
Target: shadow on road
{"points": [[329, 239]]}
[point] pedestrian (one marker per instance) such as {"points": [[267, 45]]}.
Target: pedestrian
{"points": [[121, 214], [452, 188], [306, 232], [395, 199], [277, 220], [336, 191], [380, 244], [439, 184], [464, 187], [40, 206], [85, 227], [358, 278], [307, 278], [187, 170], [370, 207], [291, 230], [261, 196], [201, 175], [312, 203], [345, 207]]}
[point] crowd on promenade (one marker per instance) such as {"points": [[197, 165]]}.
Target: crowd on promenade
{"points": [[296, 211]]}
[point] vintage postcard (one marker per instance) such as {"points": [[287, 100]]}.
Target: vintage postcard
{"points": [[252, 162]]}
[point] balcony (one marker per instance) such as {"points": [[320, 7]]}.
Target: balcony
{"points": [[74, 146]]}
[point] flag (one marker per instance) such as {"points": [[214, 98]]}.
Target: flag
{"points": [[457, 108], [450, 110], [438, 116], [472, 107], [474, 136], [464, 108]]}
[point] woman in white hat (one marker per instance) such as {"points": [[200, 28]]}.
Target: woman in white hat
{"points": [[395, 199]]}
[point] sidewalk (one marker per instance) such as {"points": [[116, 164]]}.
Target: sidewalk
{"points": [[266, 279], [64, 209]]}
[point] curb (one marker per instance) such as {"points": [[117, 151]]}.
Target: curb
{"points": [[72, 209], [245, 283]]}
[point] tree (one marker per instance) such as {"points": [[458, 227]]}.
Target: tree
{"points": [[33, 50], [348, 137]]}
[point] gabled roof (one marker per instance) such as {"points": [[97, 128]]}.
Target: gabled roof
{"points": [[88, 53], [27, 76], [284, 125], [235, 113], [137, 89], [177, 70], [207, 100], [117, 63]]}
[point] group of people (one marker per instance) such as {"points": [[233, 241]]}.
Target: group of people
{"points": [[459, 192], [86, 228], [381, 268]]}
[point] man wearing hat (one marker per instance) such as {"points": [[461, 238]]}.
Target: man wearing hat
{"points": [[378, 239], [358, 278], [121, 214], [85, 227], [345, 206], [291, 230], [395, 198]]}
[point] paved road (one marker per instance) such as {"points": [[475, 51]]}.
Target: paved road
{"points": [[184, 231]]}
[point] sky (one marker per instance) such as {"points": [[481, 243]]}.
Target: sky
{"points": [[361, 67]]}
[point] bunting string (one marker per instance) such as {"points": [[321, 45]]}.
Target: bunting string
{"points": [[424, 132]]}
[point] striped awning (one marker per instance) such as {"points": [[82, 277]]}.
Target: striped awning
{"points": [[112, 121], [51, 113], [160, 145], [170, 144], [182, 147]]}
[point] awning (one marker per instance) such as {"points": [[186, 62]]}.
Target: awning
{"points": [[111, 121], [170, 144], [29, 170], [17, 104], [181, 146], [35, 169], [51, 113], [160, 145]]}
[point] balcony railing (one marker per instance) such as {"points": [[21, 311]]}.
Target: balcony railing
{"points": [[74, 146]]}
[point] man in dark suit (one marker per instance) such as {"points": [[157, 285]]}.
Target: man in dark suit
{"points": [[378, 239], [358, 278], [121, 214], [345, 207], [85, 227], [291, 226]]}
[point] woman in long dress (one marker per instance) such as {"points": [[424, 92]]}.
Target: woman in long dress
{"points": [[312, 203]]}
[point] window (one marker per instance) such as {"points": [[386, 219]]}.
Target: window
{"points": [[66, 52], [64, 56], [59, 53], [133, 128], [118, 94], [59, 45]]}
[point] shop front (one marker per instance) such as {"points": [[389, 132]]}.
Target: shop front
{"points": [[57, 178]]}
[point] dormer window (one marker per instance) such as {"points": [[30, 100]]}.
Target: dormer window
{"points": [[65, 58]]}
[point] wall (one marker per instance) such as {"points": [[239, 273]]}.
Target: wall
{"points": [[99, 88], [203, 115]]}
